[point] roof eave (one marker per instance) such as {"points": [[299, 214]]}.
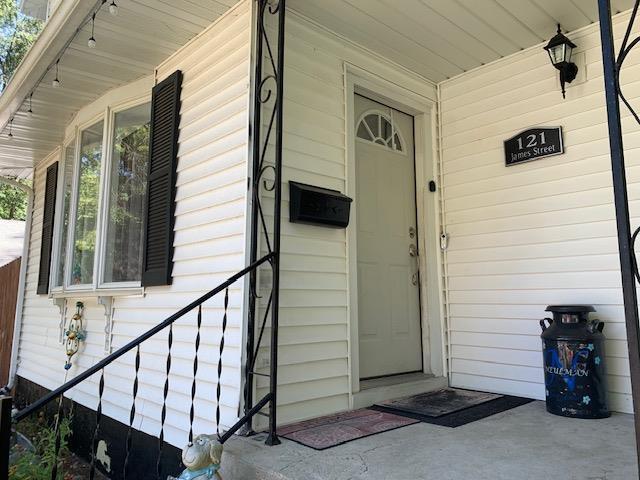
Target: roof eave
{"points": [[58, 30]]}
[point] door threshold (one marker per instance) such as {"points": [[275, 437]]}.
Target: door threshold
{"points": [[386, 388]]}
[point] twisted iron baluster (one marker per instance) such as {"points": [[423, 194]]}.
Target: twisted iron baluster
{"points": [[195, 371], [132, 415], [163, 415], [94, 441], [218, 389]]}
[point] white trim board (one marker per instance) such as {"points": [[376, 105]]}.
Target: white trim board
{"points": [[358, 80]]}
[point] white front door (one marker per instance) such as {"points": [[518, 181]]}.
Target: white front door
{"points": [[388, 283]]}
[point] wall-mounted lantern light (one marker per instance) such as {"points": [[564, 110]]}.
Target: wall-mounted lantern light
{"points": [[559, 49]]}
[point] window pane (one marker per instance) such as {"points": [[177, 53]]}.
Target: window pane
{"points": [[84, 237], [398, 143], [373, 123], [363, 132], [129, 157], [67, 178], [387, 132]]}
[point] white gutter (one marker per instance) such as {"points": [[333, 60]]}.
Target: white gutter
{"points": [[17, 324]]}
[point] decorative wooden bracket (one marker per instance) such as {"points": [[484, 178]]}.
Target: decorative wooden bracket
{"points": [[61, 303], [107, 303]]}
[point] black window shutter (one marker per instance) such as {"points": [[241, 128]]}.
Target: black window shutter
{"points": [[47, 228], [161, 184]]}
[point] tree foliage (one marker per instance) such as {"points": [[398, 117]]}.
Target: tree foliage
{"points": [[13, 201], [17, 33]]}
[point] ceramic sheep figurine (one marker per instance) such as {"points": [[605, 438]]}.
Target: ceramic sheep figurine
{"points": [[202, 459]]}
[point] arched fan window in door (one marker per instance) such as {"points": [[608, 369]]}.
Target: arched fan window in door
{"points": [[376, 127]]}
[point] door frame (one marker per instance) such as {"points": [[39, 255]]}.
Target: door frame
{"points": [[423, 109]]}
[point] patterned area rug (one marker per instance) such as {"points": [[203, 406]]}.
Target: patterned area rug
{"points": [[439, 403], [326, 432]]}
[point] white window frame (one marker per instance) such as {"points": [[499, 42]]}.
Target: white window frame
{"points": [[74, 206], [55, 249], [105, 186], [57, 237], [97, 287]]}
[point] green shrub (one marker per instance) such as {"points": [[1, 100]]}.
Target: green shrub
{"points": [[38, 465]]}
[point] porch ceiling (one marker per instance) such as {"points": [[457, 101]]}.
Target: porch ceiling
{"points": [[442, 38], [129, 46]]}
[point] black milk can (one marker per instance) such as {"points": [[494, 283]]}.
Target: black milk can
{"points": [[574, 366]]}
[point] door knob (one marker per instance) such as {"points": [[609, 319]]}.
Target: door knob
{"points": [[413, 250], [414, 279]]}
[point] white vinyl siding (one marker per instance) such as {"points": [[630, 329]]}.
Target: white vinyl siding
{"points": [[520, 238], [314, 370], [534, 234], [209, 247], [39, 346]]}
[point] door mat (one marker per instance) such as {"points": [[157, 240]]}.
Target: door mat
{"points": [[467, 415], [438, 403], [326, 432]]}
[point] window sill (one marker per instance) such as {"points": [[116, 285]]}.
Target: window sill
{"points": [[103, 296], [100, 292]]}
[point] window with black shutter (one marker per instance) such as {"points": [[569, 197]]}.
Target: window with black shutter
{"points": [[47, 228], [160, 206]]}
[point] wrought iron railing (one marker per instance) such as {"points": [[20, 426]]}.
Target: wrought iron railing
{"points": [[134, 345], [268, 97]]}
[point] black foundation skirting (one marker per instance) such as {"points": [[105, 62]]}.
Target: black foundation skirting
{"points": [[144, 452]]}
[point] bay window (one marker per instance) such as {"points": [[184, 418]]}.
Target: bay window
{"points": [[103, 183], [109, 200]]}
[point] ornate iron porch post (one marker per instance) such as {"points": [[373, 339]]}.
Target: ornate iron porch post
{"points": [[268, 98], [273, 438], [625, 242]]}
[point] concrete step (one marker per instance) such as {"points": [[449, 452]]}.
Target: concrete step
{"points": [[248, 458], [241, 459]]}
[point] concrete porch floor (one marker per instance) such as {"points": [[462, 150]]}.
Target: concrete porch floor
{"points": [[522, 443]]}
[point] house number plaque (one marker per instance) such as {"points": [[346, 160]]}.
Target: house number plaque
{"points": [[532, 144]]}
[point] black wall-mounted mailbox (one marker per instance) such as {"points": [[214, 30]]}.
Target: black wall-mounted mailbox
{"points": [[318, 206]]}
